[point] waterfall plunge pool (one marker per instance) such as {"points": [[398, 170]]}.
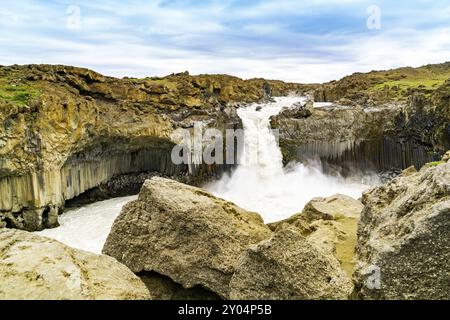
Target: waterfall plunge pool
{"points": [[260, 183]]}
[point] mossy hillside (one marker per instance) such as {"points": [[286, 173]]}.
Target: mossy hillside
{"points": [[389, 85], [18, 93], [432, 164], [404, 80]]}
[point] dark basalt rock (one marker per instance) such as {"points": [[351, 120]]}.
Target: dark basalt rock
{"points": [[73, 129]]}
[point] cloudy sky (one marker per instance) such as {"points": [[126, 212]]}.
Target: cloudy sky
{"points": [[293, 40]]}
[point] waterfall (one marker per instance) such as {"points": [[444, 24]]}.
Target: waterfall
{"points": [[260, 154], [261, 184]]}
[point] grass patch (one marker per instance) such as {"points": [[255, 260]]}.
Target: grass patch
{"points": [[426, 78], [405, 84], [435, 163], [18, 94]]}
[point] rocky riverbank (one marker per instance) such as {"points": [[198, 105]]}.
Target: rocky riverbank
{"points": [[378, 121], [67, 130], [393, 245], [184, 243], [71, 133]]}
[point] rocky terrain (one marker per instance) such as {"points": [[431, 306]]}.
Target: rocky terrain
{"points": [[393, 245], [382, 121], [199, 241], [72, 136], [66, 130], [184, 243], [37, 268]]}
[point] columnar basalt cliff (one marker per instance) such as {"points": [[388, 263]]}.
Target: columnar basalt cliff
{"points": [[382, 120], [65, 130]]}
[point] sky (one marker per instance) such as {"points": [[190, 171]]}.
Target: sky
{"points": [[291, 40]]}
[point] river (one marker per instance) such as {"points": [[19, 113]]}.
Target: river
{"points": [[260, 183]]}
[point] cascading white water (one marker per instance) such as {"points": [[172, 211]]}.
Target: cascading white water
{"points": [[261, 184]]}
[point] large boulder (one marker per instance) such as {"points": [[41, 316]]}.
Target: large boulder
{"points": [[330, 224], [184, 233], [332, 208], [38, 268], [288, 266], [310, 256], [404, 237]]}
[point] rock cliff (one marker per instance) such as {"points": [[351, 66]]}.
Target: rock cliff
{"points": [[66, 130], [376, 121]]}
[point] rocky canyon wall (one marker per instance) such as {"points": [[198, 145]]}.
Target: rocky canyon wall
{"points": [[380, 121], [66, 130]]}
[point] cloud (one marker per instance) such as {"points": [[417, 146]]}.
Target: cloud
{"points": [[289, 40]]}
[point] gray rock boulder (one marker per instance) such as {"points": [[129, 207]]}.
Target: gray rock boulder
{"points": [[184, 233], [332, 208], [404, 237], [330, 224], [288, 267], [38, 268]]}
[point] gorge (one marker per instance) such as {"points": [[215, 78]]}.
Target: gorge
{"points": [[259, 183], [340, 175], [68, 130]]}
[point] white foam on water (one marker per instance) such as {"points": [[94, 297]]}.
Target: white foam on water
{"points": [[87, 227], [261, 184]]}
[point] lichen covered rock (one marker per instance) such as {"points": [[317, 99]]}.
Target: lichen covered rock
{"points": [[38, 268], [329, 224], [404, 237], [288, 266], [184, 233]]}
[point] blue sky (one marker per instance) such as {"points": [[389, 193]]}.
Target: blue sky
{"points": [[304, 41]]}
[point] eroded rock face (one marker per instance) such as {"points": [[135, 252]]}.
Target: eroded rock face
{"points": [[330, 224], [354, 137], [288, 266], [184, 233], [66, 130], [404, 237], [38, 268]]}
